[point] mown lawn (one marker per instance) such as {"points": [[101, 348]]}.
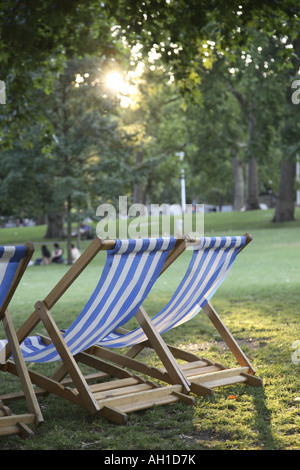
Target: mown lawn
{"points": [[259, 302]]}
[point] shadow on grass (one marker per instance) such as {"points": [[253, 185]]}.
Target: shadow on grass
{"points": [[263, 420]]}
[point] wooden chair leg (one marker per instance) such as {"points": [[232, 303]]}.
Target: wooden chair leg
{"points": [[227, 337], [67, 358], [22, 370]]}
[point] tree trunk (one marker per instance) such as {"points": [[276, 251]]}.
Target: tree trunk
{"points": [[285, 205], [69, 229], [55, 225], [238, 197], [138, 195], [138, 190], [147, 189], [252, 200], [220, 202]]}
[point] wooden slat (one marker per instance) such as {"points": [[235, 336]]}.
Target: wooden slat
{"points": [[9, 430], [153, 400], [10, 420], [194, 365], [122, 391], [225, 381], [11, 424], [135, 398], [142, 405], [101, 387], [20, 429], [191, 373], [204, 378], [95, 377], [195, 368]]}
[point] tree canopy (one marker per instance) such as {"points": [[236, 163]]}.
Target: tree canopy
{"points": [[215, 81]]}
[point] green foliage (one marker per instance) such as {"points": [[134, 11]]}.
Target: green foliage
{"points": [[197, 46], [25, 176], [229, 24], [78, 154], [36, 39], [157, 124]]}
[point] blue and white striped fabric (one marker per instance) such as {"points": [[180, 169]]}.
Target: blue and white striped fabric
{"points": [[129, 273], [211, 261], [10, 257]]}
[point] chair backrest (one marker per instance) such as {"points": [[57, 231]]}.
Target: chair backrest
{"points": [[13, 261], [130, 271], [211, 261]]}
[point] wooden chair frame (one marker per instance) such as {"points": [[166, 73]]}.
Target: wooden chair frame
{"points": [[112, 398], [113, 391], [10, 423], [202, 374]]}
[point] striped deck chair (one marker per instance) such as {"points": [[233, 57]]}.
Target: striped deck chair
{"points": [[13, 262], [211, 261], [131, 268]]}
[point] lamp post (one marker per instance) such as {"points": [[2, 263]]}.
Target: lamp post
{"points": [[298, 180], [183, 198]]}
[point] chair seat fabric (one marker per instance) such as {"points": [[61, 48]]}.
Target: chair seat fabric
{"points": [[10, 257], [211, 261], [130, 271]]}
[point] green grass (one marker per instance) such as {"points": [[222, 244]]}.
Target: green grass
{"points": [[259, 302]]}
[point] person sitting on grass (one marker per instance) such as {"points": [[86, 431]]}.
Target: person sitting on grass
{"points": [[57, 256], [46, 255]]}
